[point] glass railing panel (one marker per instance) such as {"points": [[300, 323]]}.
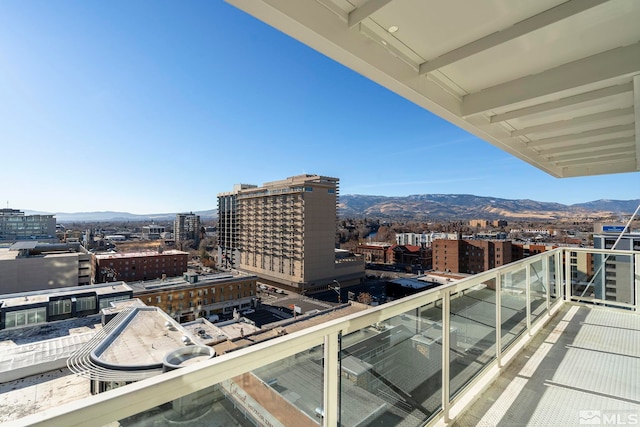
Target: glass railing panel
{"points": [[391, 371], [287, 392], [537, 289], [472, 333], [513, 305], [602, 277], [554, 278]]}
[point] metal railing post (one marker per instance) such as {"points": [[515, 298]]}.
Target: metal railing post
{"points": [[547, 282], [331, 384], [567, 277], [446, 331], [527, 293], [636, 281], [499, 319]]}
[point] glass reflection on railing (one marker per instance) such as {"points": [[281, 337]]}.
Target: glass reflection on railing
{"points": [[537, 290], [391, 371], [554, 279], [513, 305], [284, 393], [601, 277], [472, 334]]}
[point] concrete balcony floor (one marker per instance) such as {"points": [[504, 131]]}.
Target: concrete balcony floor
{"points": [[582, 368]]}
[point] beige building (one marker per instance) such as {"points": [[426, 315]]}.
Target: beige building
{"points": [[286, 233], [32, 266]]}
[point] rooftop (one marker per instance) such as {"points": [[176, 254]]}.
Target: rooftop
{"points": [[138, 254], [42, 296]]}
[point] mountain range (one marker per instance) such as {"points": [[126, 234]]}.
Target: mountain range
{"points": [[467, 206], [64, 217], [414, 207]]}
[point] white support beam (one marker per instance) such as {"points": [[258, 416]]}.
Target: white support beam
{"points": [[605, 65], [333, 7], [576, 121], [588, 146], [563, 102], [581, 135], [548, 17], [599, 160], [331, 384], [361, 13], [636, 103], [620, 166], [604, 151]]}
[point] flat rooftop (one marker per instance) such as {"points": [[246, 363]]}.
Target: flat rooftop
{"points": [[180, 282], [33, 297], [143, 339], [138, 254]]}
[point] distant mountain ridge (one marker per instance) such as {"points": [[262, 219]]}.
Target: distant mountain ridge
{"points": [[103, 216], [413, 207], [467, 206]]}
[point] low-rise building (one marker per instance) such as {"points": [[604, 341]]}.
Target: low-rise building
{"points": [[16, 226], [374, 252], [36, 307], [137, 266], [152, 232], [470, 256], [31, 266], [192, 296]]}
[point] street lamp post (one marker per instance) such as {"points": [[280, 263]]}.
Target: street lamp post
{"points": [[337, 289]]}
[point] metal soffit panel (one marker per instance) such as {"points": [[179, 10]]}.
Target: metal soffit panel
{"points": [[555, 83]]}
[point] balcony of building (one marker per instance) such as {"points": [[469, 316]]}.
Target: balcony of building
{"points": [[525, 346]]}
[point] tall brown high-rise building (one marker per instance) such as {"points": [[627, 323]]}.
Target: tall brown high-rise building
{"points": [[285, 231]]}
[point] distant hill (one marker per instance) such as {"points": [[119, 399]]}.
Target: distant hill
{"points": [[414, 207], [63, 217], [467, 206]]}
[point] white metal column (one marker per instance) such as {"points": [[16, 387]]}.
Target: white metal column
{"points": [[547, 281], [527, 293], [636, 259], [446, 330], [499, 319], [567, 276], [331, 384]]}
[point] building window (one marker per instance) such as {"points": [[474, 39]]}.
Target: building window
{"points": [[14, 319], [59, 307], [158, 299], [86, 304]]}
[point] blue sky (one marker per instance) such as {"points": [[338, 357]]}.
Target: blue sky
{"points": [[151, 107]]}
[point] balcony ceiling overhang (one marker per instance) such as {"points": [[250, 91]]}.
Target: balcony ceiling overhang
{"points": [[555, 83]]}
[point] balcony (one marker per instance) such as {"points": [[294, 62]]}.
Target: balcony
{"points": [[520, 349]]}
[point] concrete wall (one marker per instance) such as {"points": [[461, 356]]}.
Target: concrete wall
{"points": [[38, 272]]}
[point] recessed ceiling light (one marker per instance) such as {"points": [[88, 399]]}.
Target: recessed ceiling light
{"points": [[392, 29]]}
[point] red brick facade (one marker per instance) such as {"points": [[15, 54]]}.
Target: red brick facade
{"points": [[470, 256], [133, 267]]}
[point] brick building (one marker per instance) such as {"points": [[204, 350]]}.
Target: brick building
{"points": [[191, 296], [136, 266], [375, 253], [470, 256], [524, 250]]}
